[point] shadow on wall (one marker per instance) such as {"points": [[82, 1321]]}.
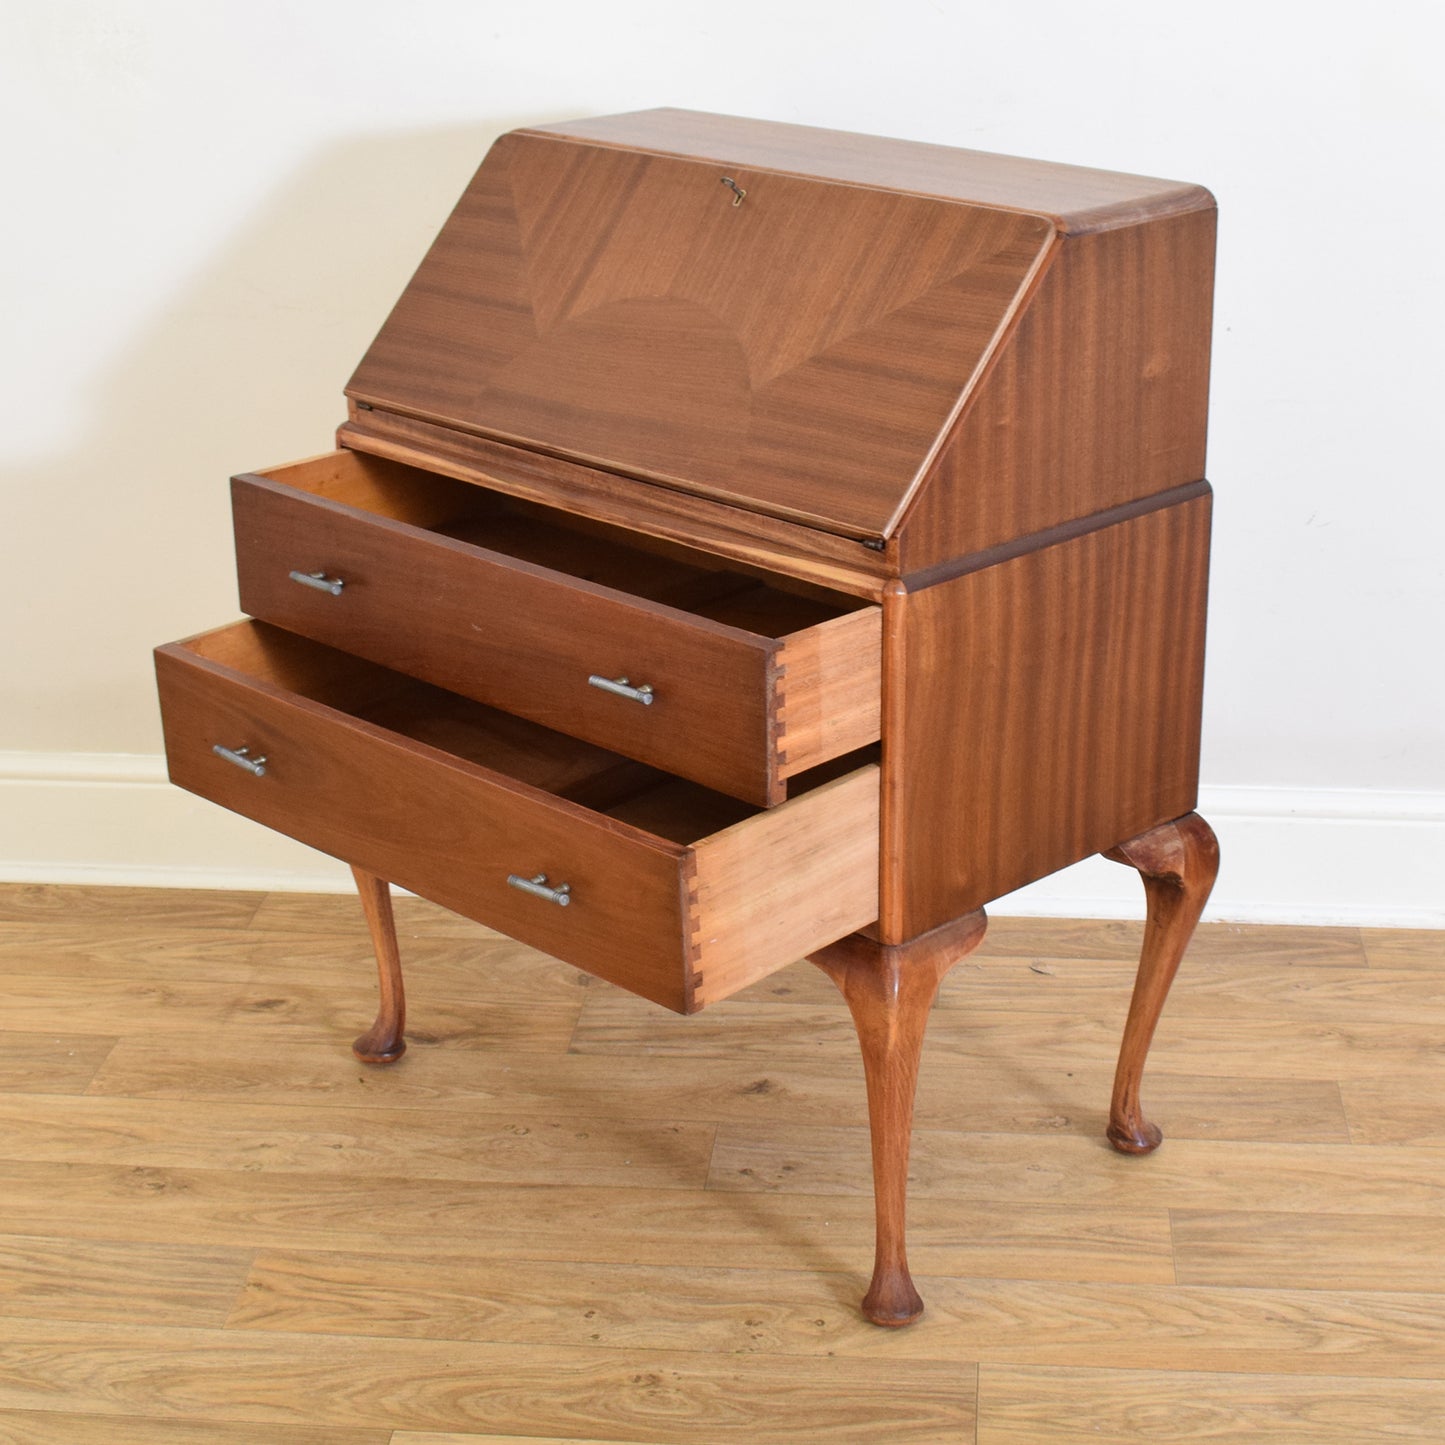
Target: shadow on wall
{"points": [[123, 541]]}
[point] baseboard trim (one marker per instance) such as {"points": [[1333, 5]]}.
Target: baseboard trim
{"points": [[114, 819], [1352, 856]]}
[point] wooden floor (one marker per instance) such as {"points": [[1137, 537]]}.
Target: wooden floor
{"points": [[570, 1215]]}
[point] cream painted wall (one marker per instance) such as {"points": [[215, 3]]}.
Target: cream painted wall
{"points": [[210, 206]]}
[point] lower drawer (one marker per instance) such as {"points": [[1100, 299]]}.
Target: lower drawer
{"points": [[678, 893]]}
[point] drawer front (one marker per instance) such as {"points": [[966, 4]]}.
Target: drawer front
{"points": [[517, 636], [446, 830]]}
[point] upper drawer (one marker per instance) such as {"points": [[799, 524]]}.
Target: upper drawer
{"points": [[673, 891], [748, 681]]}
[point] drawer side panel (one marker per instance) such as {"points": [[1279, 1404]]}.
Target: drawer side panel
{"points": [[829, 690], [786, 882]]}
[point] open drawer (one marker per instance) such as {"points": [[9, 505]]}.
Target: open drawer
{"points": [[735, 681], [667, 888]]}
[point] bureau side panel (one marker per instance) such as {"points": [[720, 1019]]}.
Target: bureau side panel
{"points": [[1098, 398], [1051, 708]]}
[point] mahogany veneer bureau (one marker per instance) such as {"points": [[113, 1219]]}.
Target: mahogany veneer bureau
{"points": [[747, 542]]}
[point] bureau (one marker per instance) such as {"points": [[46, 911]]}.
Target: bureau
{"points": [[747, 543]]}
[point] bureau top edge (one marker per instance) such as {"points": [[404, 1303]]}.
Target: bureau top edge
{"points": [[1076, 199]]}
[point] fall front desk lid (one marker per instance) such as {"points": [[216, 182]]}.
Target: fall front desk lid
{"points": [[793, 344]]}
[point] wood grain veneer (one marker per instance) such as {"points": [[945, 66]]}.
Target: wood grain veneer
{"points": [[783, 353], [1050, 708], [1098, 397], [829, 689], [766, 889]]}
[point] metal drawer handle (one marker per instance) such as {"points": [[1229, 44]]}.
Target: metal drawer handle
{"points": [[319, 580], [623, 688], [561, 895], [242, 759]]}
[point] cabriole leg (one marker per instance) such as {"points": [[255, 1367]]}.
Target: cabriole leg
{"points": [[1178, 862], [383, 1042], [889, 990]]}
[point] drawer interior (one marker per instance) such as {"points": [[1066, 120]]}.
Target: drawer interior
{"points": [[633, 793], [649, 568]]}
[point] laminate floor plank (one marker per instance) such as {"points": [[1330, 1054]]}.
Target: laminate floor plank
{"points": [[1386, 1110], [612, 1021], [429, 1437], [1267, 1048], [1010, 1168], [554, 1303], [955, 1091], [47, 1427], [276, 1013], [1182, 1328], [440, 966], [103, 906], [435, 965], [507, 1147], [340, 914], [353, 1382], [1270, 1046], [1235, 990], [799, 982], [45, 1063], [1320, 1251], [81, 1279], [1422, 948], [1119, 940], [1158, 1326], [129, 952], [1224, 987], [410, 1217], [1024, 1405]]}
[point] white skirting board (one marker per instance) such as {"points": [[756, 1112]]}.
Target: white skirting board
{"points": [[1290, 855]]}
